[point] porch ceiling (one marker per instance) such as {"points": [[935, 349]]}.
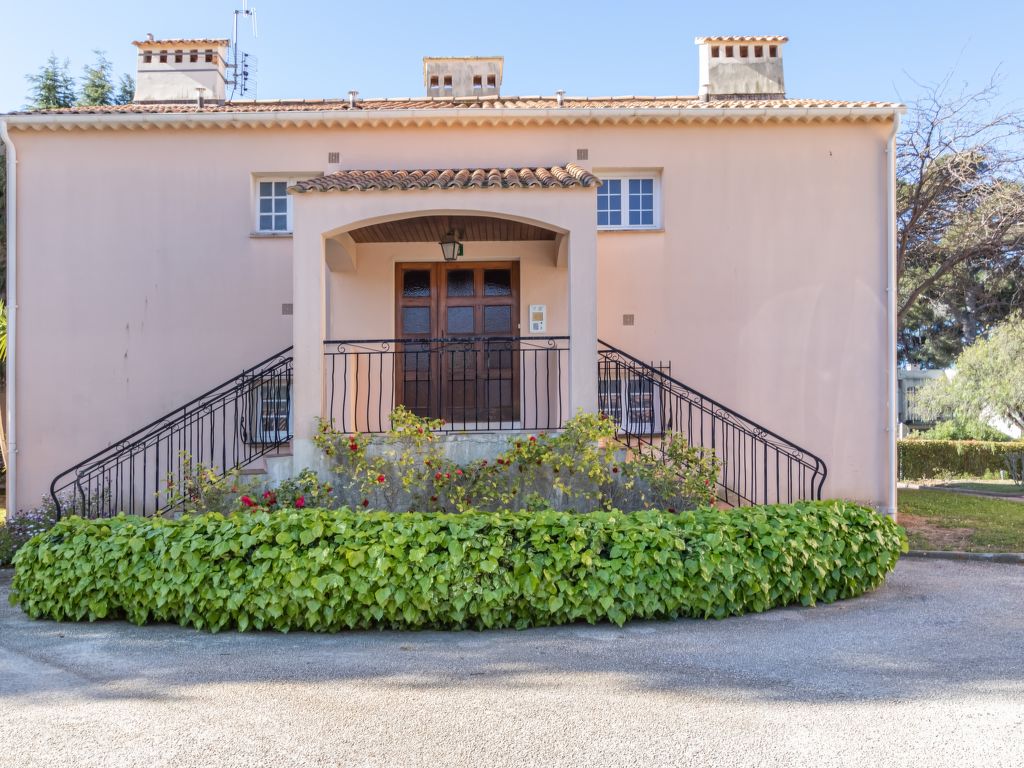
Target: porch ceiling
{"points": [[430, 229]]}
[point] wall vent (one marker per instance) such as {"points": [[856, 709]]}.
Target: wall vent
{"points": [[333, 157], [287, 309], [582, 154]]}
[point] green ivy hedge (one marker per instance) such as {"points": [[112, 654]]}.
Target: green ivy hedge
{"points": [[924, 459], [324, 570]]}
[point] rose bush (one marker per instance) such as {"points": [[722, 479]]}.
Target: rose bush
{"points": [[580, 468]]}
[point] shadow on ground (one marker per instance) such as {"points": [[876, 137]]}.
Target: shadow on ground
{"points": [[934, 630]]}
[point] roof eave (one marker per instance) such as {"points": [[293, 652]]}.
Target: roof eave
{"points": [[294, 118]]}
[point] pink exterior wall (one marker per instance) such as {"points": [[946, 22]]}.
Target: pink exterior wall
{"points": [[139, 285]]}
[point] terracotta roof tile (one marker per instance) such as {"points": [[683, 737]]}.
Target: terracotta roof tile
{"points": [[556, 177], [472, 104]]}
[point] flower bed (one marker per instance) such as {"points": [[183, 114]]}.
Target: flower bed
{"points": [[328, 570]]}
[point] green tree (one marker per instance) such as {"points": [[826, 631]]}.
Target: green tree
{"points": [[989, 378], [52, 87], [97, 88], [125, 90], [960, 219]]}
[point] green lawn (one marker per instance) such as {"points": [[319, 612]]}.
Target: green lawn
{"points": [[957, 521], [999, 487]]}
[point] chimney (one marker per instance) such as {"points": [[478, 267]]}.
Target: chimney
{"points": [[175, 71], [741, 67], [463, 77]]}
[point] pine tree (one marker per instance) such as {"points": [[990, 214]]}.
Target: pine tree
{"points": [[97, 90], [52, 87], [125, 90]]}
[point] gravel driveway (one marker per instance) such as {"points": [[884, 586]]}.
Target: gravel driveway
{"points": [[927, 671]]}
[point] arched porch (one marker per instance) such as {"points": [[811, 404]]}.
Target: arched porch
{"points": [[382, 319]]}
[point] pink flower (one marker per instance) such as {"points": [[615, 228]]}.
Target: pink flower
{"points": [[300, 502]]}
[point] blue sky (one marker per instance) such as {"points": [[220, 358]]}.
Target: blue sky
{"points": [[872, 49]]}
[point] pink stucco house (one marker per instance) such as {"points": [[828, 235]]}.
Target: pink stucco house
{"points": [[193, 273]]}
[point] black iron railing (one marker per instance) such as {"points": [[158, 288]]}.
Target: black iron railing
{"points": [[757, 465], [230, 426], [476, 384]]}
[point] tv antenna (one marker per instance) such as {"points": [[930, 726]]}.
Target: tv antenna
{"points": [[242, 64]]}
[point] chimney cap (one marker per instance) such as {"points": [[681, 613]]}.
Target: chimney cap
{"points": [[463, 76], [177, 42], [774, 39]]}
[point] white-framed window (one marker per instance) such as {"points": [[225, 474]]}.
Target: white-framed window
{"points": [[629, 201], [273, 205], [632, 403], [273, 414]]}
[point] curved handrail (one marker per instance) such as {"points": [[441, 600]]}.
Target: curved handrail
{"points": [[755, 448], [233, 395]]}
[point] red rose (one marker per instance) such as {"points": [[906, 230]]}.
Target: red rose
{"points": [[437, 475], [671, 511], [247, 501], [419, 430], [483, 463], [366, 502], [380, 478], [300, 502], [433, 498], [448, 475], [533, 439], [615, 470], [458, 471]]}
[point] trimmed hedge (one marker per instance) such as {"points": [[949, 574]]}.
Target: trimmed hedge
{"points": [[325, 570], [925, 459]]}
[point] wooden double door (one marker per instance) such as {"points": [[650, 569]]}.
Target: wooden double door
{"points": [[458, 325]]}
